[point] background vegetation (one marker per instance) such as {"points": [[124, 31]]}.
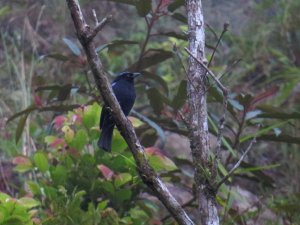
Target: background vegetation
{"points": [[53, 173]]}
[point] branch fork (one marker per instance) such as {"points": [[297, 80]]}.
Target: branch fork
{"points": [[99, 25], [219, 84]]}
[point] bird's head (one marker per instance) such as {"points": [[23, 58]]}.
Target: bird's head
{"points": [[129, 76]]}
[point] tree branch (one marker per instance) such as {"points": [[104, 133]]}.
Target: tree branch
{"points": [[99, 26], [198, 132], [149, 177], [225, 28], [236, 166], [219, 84]]}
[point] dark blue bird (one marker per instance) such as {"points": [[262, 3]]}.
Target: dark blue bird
{"points": [[123, 88]]}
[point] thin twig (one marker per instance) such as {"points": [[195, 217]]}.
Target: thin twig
{"points": [[219, 137], [221, 126], [219, 84], [236, 166], [99, 26], [212, 30], [175, 49], [225, 28], [95, 17], [148, 35], [184, 119], [229, 68]]}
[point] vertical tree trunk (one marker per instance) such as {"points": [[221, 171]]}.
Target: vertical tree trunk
{"points": [[198, 115]]}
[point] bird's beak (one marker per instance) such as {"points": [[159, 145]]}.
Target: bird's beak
{"points": [[135, 75]]}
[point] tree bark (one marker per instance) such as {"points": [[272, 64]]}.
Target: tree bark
{"points": [[198, 132], [85, 35]]}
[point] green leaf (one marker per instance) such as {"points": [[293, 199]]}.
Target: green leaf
{"points": [[102, 205], [59, 175], [72, 46], [115, 44], [175, 5], [108, 187], [41, 161], [224, 141], [50, 192], [180, 17], [137, 213], [159, 161], [4, 197], [252, 114], [155, 99], [256, 168], [5, 10], [181, 96], [280, 115], [20, 127], [118, 144], [34, 187], [91, 115], [68, 134], [236, 104], [148, 206], [262, 131], [245, 100], [174, 34], [56, 56], [162, 163], [152, 124], [28, 203], [123, 195], [23, 164], [13, 220], [25, 111], [214, 93], [156, 78], [80, 140], [280, 138], [122, 179], [143, 7], [48, 88], [152, 57]]}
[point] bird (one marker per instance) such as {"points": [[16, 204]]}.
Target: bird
{"points": [[123, 89]]}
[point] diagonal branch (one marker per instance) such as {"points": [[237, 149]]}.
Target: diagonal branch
{"points": [[149, 177], [219, 84], [236, 166]]}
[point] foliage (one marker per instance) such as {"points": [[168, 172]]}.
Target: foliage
{"points": [[17, 211], [79, 185]]}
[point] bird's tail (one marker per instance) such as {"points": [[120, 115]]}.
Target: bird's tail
{"points": [[105, 139]]}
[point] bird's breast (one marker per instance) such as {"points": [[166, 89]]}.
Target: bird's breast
{"points": [[125, 94]]}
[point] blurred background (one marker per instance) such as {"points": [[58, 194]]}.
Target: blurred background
{"points": [[50, 109]]}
